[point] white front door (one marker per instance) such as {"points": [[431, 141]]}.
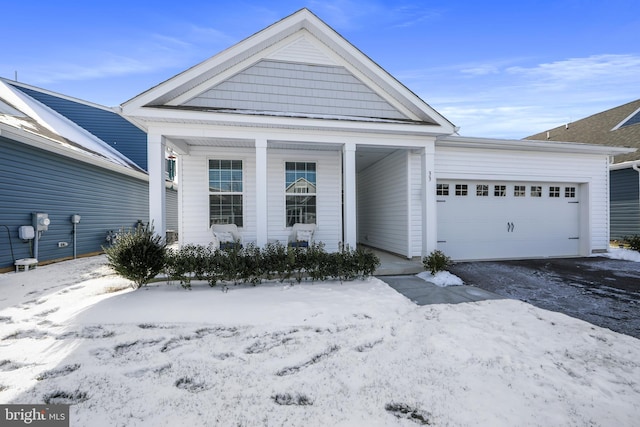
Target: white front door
{"points": [[500, 219]]}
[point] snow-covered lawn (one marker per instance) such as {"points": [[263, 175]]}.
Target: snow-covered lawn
{"points": [[330, 354]]}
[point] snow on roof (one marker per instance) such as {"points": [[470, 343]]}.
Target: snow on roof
{"points": [[19, 110]]}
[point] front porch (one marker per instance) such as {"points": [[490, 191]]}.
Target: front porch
{"points": [[396, 265]]}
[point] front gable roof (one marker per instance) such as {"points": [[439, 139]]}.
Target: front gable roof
{"points": [[297, 67], [616, 127]]}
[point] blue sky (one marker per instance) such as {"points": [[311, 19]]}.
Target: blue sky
{"points": [[504, 69]]}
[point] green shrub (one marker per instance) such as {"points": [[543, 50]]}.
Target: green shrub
{"points": [[317, 262], [436, 261], [349, 264], [366, 261], [192, 262], [138, 256], [274, 261], [633, 242], [252, 268], [252, 264]]}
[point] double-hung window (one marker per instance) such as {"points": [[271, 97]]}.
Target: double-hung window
{"points": [[225, 192], [300, 192]]}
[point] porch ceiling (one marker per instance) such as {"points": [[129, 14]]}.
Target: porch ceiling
{"points": [[365, 155]]}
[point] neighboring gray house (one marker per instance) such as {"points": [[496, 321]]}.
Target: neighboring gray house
{"points": [[55, 166], [616, 127], [384, 169]]}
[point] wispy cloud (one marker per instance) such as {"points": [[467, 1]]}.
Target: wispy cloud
{"points": [[350, 14], [581, 69], [409, 16], [108, 65], [513, 101], [343, 14], [144, 53], [481, 70]]}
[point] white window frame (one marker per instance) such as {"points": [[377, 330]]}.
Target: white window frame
{"points": [[313, 194], [226, 193]]}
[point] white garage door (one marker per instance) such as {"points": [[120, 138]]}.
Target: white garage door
{"points": [[493, 220]]}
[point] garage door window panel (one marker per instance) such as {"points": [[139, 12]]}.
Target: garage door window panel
{"points": [[554, 192], [570, 192], [461, 189], [442, 189], [536, 191], [482, 190], [500, 190]]}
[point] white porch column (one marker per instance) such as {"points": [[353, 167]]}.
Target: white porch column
{"points": [[349, 191], [429, 202], [261, 193], [156, 147]]}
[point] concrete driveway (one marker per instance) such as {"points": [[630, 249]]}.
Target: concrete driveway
{"points": [[601, 291]]}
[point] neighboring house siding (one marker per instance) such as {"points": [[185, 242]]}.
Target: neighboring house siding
{"points": [[383, 201], [524, 166], [297, 89], [625, 203], [110, 127], [38, 181], [328, 194]]}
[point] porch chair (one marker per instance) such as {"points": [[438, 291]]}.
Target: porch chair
{"points": [[301, 235], [226, 235]]}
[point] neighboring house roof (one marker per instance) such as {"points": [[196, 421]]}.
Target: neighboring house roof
{"points": [[101, 121], [28, 120], [298, 67], [619, 126]]}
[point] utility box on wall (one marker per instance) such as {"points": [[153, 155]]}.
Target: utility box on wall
{"points": [[26, 232], [41, 221]]}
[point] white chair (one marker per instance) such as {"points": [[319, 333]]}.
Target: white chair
{"points": [[226, 235], [301, 235]]}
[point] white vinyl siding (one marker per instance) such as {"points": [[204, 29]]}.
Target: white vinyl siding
{"points": [[383, 204], [415, 178], [589, 171], [194, 188], [328, 194]]}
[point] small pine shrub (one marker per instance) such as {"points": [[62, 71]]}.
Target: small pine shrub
{"points": [[633, 242], [436, 261], [367, 262], [138, 256]]}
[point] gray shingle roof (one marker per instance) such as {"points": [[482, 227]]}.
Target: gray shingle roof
{"points": [[597, 129]]}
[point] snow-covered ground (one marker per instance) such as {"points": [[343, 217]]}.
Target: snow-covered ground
{"points": [[623, 254], [330, 354]]}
